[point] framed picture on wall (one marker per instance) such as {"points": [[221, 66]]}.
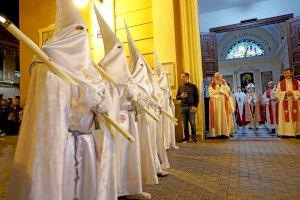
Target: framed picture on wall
{"points": [[246, 78], [171, 73], [266, 77], [45, 34]]}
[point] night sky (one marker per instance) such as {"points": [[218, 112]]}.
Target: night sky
{"points": [[10, 9]]}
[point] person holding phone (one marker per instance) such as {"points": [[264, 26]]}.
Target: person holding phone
{"points": [[189, 96]]}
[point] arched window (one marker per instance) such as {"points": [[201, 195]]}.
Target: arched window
{"points": [[245, 49]]}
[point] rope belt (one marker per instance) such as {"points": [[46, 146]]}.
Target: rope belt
{"points": [[77, 134]]}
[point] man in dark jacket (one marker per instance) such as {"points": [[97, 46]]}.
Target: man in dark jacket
{"points": [[189, 96]]}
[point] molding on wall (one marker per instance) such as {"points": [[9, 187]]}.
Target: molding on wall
{"points": [[253, 24]]}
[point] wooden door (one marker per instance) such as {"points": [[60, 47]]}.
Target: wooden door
{"points": [[209, 54], [209, 66], [293, 36]]}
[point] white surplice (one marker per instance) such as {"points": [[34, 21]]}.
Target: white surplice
{"points": [[287, 128], [240, 96]]}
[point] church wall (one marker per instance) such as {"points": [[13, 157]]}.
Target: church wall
{"points": [[164, 36], [253, 65], [283, 55], [263, 9], [141, 30], [269, 44], [275, 53]]}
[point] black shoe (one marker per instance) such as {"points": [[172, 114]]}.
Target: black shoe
{"points": [[185, 141], [163, 174], [195, 141], [273, 131]]}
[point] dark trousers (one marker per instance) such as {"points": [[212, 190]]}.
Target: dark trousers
{"points": [[188, 116]]}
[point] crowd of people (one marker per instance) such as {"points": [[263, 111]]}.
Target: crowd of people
{"points": [[277, 108], [10, 116]]}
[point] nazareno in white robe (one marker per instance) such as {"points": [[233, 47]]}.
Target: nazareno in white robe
{"points": [[55, 112], [148, 150], [168, 126], [145, 78], [127, 155]]}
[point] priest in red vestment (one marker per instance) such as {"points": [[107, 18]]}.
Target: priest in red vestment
{"points": [[288, 94]]}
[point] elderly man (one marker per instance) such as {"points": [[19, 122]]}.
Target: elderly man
{"points": [[270, 103], [189, 96], [220, 109], [288, 94]]}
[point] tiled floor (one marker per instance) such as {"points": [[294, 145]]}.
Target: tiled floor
{"points": [[7, 147], [216, 169]]}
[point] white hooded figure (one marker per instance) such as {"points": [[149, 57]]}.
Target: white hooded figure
{"points": [[56, 155], [128, 162], [168, 105], [150, 91]]}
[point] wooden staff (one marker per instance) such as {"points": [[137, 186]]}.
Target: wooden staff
{"points": [[113, 81], [10, 27], [52, 66], [173, 119], [163, 111], [127, 135]]}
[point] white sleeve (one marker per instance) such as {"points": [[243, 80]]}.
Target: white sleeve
{"points": [[265, 99]]}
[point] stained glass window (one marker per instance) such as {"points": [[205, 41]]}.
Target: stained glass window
{"points": [[245, 49]]}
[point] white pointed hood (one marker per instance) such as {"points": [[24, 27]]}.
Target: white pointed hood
{"points": [[66, 14], [141, 67], [161, 74], [69, 46], [138, 66], [114, 62]]}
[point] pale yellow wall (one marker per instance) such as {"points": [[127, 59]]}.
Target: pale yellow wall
{"points": [[138, 16], [33, 15], [164, 33]]}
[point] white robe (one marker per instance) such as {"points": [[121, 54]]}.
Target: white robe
{"points": [[128, 154], [240, 96], [222, 121], [148, 150], [43, 167], [290, 128], [167, 104], [168, 126]]}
